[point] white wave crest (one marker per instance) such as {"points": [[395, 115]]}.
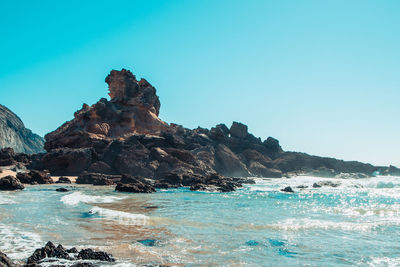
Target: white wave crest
{"points": [[78, 197], [121, 216]]}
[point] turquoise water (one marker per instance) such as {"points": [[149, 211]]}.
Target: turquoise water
{"points": [[356, 223]]}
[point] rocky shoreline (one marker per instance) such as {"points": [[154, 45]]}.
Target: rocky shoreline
{"points": [[123, 142], [50, 253]]}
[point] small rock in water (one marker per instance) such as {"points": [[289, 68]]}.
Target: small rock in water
{"points": [[276, 243], [252, 243], [302, 186], [287, 189], [62, 189], [148, 242], [325, 183]]}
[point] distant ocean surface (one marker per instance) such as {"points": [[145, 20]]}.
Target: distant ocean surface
{"points": [[356, 223]]}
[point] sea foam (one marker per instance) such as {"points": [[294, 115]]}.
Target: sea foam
{"points": [[120, 216], [18, 244], [78, 197]]}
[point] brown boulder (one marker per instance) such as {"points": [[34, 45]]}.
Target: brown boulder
{"points": [[35, 177], [238, 130], [228, 163], [10, 183]]}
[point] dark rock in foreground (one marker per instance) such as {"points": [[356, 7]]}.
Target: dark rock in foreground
{"points": [[6, 261], [10, 183], [48, 251], [59, 252]]}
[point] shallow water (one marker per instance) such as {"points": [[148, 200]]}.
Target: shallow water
{"points": [[356, 223]]}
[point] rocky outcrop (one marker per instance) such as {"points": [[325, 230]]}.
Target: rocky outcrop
{"points": [[13, 134], [124, 136], [133, 108], [59, 252], [10, 183]]}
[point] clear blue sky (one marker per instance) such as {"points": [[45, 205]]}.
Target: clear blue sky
{"points": [[321, 76]]}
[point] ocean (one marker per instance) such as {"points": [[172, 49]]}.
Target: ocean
{"points": [[355, 223]]}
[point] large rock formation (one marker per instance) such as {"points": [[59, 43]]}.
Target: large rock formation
{"points": [[14, 134], [124, 136], [133, 108]]}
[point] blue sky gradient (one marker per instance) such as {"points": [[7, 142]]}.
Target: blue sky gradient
{"points": [[321, 76]]}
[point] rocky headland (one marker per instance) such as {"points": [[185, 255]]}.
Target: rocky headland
{"points": [[14, 134], [122, 141]]}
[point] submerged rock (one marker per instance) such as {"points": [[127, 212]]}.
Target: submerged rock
{"points": [[10, 183], [148, 242]]}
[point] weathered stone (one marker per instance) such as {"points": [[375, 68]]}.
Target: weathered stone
{"points": [[238, 130], [35, 177], [228, 163], [10, 183], [68, 161]]}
